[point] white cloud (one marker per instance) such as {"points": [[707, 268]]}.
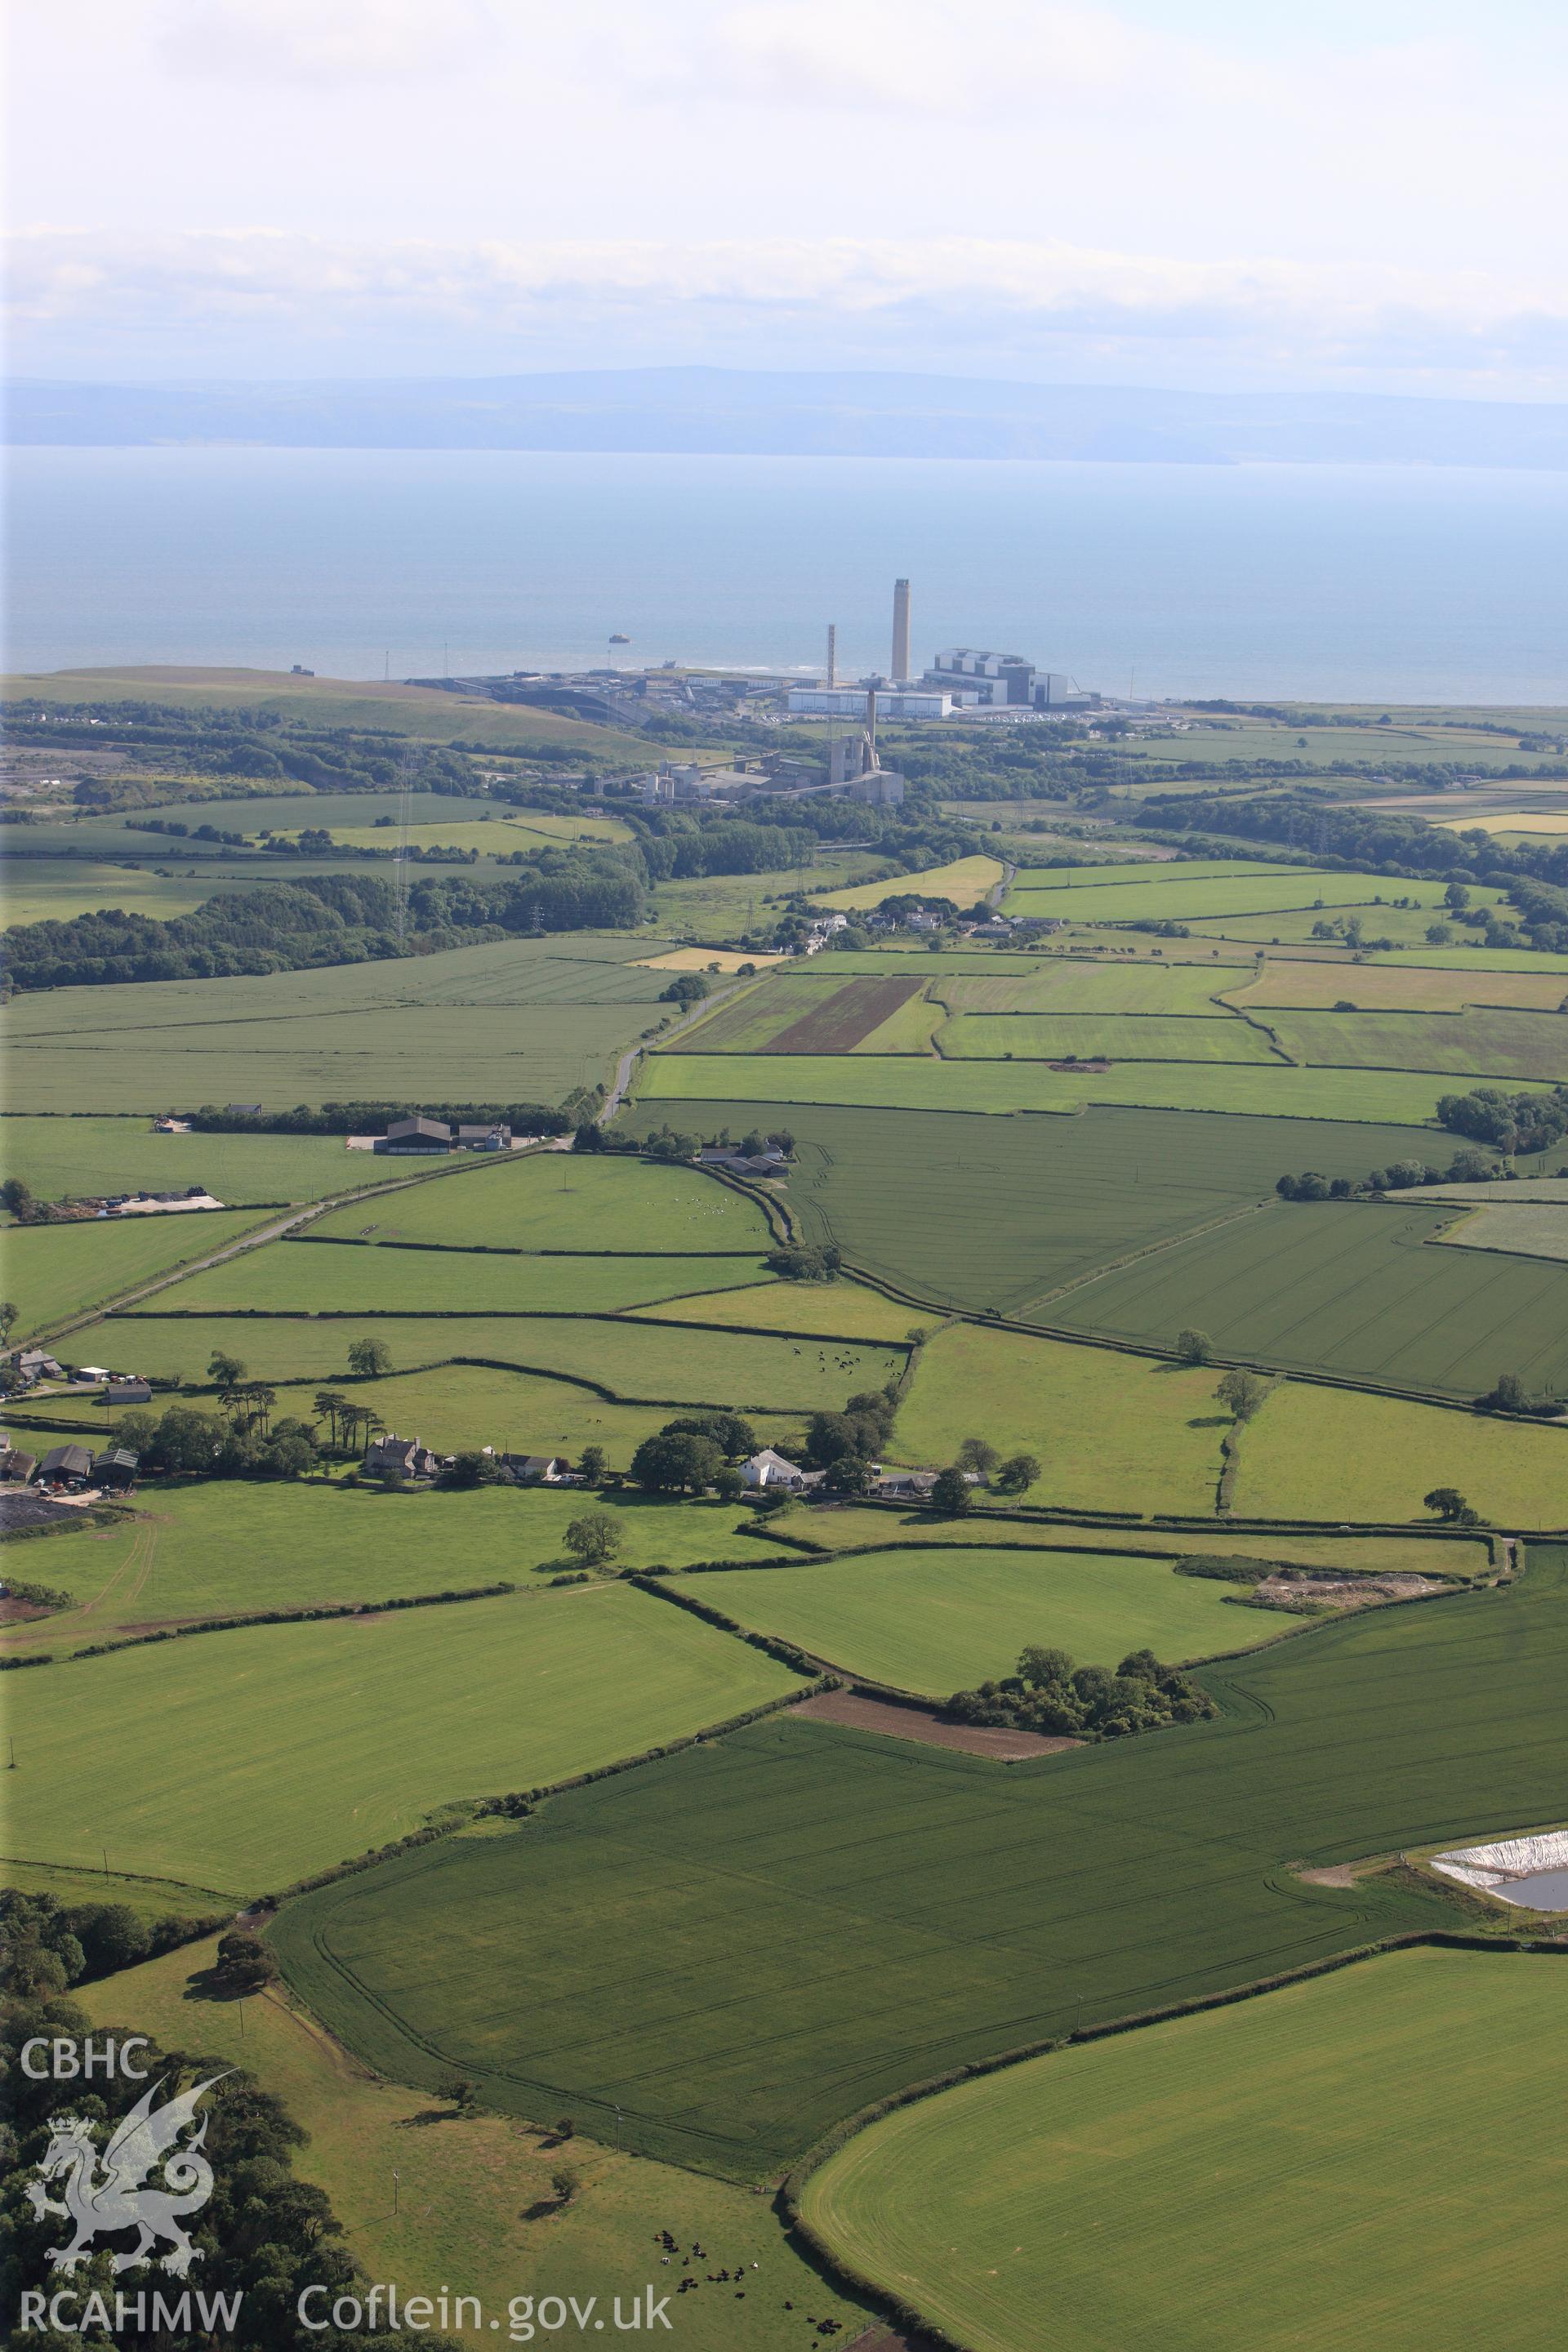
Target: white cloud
{"points": [[965, 304], [324, 41]]}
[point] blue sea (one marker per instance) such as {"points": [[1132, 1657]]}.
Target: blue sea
{"points": [[1370, 582]]}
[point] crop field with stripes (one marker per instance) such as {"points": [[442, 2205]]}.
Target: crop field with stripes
{"points": [[744, 1942], [1102, 2201]]}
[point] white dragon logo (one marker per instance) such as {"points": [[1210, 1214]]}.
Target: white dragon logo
{"points": [[117, 2198]]}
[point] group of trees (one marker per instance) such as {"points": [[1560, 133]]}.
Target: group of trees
{"points": [[47, 1946], [695, 1454], [1399, 1176], [326, 918], [262, 2238], [242, 1440], [806, 1262], [1046, 1693], [1512, 1123]]}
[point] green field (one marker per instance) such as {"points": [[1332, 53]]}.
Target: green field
{"points": [[768, 1081], [53, 889], [1344, 1288], [832, 1916], [1319, 2166], [1062, 986], [69, 1157], [1115, 1037], [228, 1547], [426, 713], [284, 1748], [477, 2203], [1388, 987], [966, 881], [302, 1276], [1320, 1453], [1183, 872], [719, 908], [1114, 1432], [1194, 892], [1481, 1043], [982, 1213], [1535, 1229], [54, 1272], [637, 1360], [843, 1309], [842, 1527], [566, 1201], [300, 1036], [936, 1619]]}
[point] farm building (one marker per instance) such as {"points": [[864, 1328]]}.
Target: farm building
{"points": [[415, 1135], [767, 1163], [116, 1469], [16, 1467], [770, 1469], [484, 1139], [66, 1466], [400, 1457], [905, 1486], [128, 1392], [536, 1469], [34, 1364]]}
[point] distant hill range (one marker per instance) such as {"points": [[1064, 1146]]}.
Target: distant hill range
{"points": [[729, 412]]}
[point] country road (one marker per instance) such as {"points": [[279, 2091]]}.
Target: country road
{"points": [[627, 1062], [268, 1233]]}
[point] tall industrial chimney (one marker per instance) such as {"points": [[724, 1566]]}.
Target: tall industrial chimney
{"points": [[832, 655], [901, 631]]}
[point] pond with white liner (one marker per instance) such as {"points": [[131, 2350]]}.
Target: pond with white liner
{"points": [[1532, 1871]]}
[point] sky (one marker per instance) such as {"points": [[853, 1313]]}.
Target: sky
{"points": [[1212, 196]]}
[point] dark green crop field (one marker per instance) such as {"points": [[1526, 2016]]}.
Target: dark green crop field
{"points": [[1486, 1041], [751, 1939], [1344, 1288], [986, 1212]]}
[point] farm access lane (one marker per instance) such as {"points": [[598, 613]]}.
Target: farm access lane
{"points": [[263, 1233], [621, 1086]]}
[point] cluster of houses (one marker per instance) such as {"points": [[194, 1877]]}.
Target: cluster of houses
{"points": [[391, 1456]]}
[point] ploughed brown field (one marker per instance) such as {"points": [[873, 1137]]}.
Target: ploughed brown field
{"points": [[851, 1014]]}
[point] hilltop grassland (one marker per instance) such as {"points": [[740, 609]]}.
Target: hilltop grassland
{"points": [[300, 1036], [1100, 2203], [936, 1619], [1102, 1881], [427, 714], [53, 1272], [478, 2204], [285, 1748], [1319, 1453]]}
